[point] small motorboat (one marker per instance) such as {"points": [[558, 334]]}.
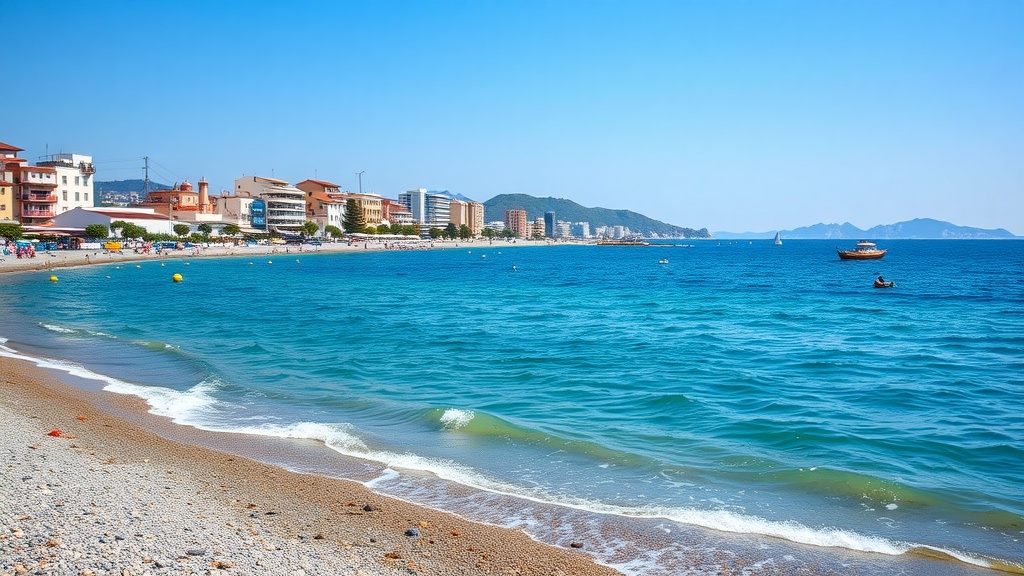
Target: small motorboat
{"points": [[864, 251], [663, 261], [881, 283]]}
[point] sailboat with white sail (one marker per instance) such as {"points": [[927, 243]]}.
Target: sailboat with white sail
{"points": [[778, 239]]}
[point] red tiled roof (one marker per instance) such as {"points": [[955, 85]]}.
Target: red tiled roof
{"points": [[10, 148]]}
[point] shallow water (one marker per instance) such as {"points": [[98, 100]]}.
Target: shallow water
{"points": [[769, 393]]}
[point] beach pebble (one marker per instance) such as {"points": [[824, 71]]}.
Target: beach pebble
{"points": [[370, 508], [412, 532], [195, 552]]}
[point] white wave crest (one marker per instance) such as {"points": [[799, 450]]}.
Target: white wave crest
{"points": [[453, 418], [58, 329]]}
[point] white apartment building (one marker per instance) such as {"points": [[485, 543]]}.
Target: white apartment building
{"points": [[74, 177], [286, 204]]}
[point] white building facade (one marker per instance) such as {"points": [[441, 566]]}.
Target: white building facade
{"points": [[286, 204]]}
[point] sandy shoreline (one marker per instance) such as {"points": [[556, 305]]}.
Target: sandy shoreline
{"points": [[69, 258], [108, 497]]}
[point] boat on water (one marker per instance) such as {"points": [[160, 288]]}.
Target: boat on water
{"points": [[663, 261], [864, 251], [880, 283], [778, 239]]}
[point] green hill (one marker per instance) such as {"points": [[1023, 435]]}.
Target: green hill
{"points": [[124, 186], [569, 211]]}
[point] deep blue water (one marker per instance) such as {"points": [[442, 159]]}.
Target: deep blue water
{"points": [[768, 393]]}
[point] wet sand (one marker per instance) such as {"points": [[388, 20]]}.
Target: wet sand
{"points": [[105, 496]]}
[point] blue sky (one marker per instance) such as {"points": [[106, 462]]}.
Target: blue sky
{"points": [[731, 115]]}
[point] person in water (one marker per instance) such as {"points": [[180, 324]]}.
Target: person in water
{"points": [[881, 280]]}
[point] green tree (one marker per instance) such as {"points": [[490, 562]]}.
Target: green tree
{"points": [[354, 220], [205, 230], [11, 231], [435, 232], [464, 232], [181, 229], [310, 228], [488, 233], [506, 233], [96, 231], [230, 230], [117, 225], [383, 229], [451, 231], [334, 231], [129, 230]]}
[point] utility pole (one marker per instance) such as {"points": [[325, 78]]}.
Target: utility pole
{"points": [[145, 188], [360, 174]]}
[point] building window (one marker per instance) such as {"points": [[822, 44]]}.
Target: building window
{"points": [[76, 196], [86, 194], [64, 180], [65, 195], [76, 180], [85, 180], [3, 206]]}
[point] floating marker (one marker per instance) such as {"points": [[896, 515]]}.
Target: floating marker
{"points": [[53, 278], [138, 266], [177, 278]]}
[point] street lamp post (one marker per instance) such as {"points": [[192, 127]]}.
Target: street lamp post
{"points": [[360, 174]]}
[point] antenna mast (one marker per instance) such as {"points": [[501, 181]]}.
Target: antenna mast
{"points": [[145, 189]]}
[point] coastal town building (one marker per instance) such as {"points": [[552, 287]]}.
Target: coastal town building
{"points": [[580, 230], [183, 204], [429, 209], [8, 163], [285, 204], [370, 205], [246, 212], [76, 219], [515, 220], [562, 230], [395, 213], [73, 173], [496, 225], [470, 214], [36, 191], [325, 203], [550, 228], [537, 228]]}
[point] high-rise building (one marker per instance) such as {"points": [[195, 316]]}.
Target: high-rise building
{"points": [[549, 224], [515, 220]]}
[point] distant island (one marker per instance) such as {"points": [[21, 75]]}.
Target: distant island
{"points": [[569, 211], [916, 229]]}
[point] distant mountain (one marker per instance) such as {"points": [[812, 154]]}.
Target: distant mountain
{"points": [[569, 211], [125, 186], [918, 228]]}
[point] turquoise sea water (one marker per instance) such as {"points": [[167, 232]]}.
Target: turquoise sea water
{"points": [[741, 403]]}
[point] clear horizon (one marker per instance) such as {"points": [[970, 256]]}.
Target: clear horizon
{"points": [[740, 117]]}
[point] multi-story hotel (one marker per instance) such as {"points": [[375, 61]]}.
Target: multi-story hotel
{"points": [[515, 220], [285, 204], [429, 210], [470, 214]]}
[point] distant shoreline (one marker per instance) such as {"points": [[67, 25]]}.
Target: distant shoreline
{"points": [[53, 260]]}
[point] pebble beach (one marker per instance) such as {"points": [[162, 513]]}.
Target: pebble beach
{"points": [[86, 491]]}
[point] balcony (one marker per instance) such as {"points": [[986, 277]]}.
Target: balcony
{"points": [[86, 168], [36, 197], [36, 213]]}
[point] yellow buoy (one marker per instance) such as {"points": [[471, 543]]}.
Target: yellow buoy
{"points": [[176, 278], [53, 278]]}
